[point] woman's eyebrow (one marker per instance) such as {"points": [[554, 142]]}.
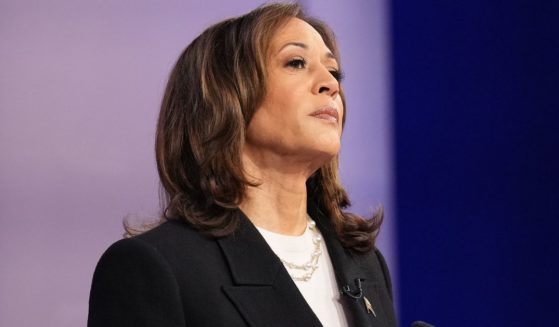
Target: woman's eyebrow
{"points": [[296, 44], [302, 45]]}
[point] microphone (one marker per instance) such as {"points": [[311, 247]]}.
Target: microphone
{"points": [[357, 294], [420, 324]]}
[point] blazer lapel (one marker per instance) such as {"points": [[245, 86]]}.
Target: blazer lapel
{"points": [[347, 271], [263, 291]]}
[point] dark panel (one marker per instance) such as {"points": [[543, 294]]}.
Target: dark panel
{"points": [[477, 153]]}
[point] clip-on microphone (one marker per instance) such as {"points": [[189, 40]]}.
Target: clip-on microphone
{"points": [[357, 294]]}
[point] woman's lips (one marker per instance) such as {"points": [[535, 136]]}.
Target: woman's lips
{"points": [[329, 114]]}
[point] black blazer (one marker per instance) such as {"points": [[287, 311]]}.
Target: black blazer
{"points": [[174, 276]]}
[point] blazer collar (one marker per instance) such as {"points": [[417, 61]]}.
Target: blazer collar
{"points": [[263, 289], [249, 257], [347, 271], [246, 247], [345, 266]]}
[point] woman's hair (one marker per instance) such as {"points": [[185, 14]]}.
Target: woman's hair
{"points": [[213, 91]]}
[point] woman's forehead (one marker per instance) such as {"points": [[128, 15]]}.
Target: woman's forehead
{"points": [[297, 32]]}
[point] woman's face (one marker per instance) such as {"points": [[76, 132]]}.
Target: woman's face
{"points": [[301, 114]]}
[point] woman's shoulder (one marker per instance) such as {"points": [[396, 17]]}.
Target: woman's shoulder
{"points": [[171, 232], [130, 276], [165, 243], [174, 238]]}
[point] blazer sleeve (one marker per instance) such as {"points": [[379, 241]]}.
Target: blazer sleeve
{"points": [[133, 285]]}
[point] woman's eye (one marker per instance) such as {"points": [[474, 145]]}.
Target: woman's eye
{"points": [[297, 63], [338, 75]]}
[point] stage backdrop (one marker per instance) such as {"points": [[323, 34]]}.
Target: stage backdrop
{"points": [[80, 87], [476, 98]]}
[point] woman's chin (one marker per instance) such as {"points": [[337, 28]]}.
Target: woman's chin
{"points": [[330, 146], [324, 153]]}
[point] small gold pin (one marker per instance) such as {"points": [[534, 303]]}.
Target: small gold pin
{"points": [[369, 307]]}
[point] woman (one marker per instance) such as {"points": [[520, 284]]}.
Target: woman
{"points": [[253, 231]]}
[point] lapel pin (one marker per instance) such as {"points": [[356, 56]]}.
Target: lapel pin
{"points": [[369, 307]]}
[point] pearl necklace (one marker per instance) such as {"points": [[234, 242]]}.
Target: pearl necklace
{"points": [[307, 269]]}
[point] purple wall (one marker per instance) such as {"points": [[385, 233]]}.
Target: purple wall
{"points": [[80, 87]]}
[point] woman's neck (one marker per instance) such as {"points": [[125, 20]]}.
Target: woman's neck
{"points": [[279, 201]]}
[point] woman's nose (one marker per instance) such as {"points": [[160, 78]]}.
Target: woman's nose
{"points": [[327, 83]]}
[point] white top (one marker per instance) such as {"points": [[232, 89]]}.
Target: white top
{"points": [[321, 291]]}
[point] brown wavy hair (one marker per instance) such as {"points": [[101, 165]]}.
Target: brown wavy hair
{"points": [[213, 91]]}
